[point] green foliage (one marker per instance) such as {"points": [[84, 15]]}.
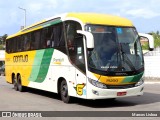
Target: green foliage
{"points": [[156, 37], [1, 47], [2, 41], [157, 42], [157, 32], [145, 46]]}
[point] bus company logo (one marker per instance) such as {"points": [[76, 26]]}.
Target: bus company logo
{"points": [[20, 58], [79, 89], [58, 60]]}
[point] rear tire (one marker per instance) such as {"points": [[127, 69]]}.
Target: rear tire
{"points": [[64, 92], [15, 85], [19, 84]]}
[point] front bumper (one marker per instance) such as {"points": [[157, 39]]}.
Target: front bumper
{"points": [[98, 93]]}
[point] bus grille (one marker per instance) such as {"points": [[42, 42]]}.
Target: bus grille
{"points": [[120, 86]]}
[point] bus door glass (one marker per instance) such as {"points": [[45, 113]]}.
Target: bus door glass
{"points": [[76, 50]]}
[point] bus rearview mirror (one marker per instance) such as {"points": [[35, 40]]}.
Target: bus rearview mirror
{"points": [[149, 38], [89, 38]]}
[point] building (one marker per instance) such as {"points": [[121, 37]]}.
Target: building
{"points": [[2, 57]]}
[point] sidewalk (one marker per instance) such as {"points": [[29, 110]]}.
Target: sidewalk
{"points": [[152, 66], [151, 79]]}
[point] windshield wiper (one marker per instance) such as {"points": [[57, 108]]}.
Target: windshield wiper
{"points": [[132, 44], [95, 57], [126, 59]]}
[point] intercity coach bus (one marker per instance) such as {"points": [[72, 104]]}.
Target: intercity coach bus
{"points": [[83, 55]]}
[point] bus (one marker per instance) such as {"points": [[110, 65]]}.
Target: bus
{"points": [[82, 55]]}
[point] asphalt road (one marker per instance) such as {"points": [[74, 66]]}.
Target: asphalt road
{"points": [[36, 100]]}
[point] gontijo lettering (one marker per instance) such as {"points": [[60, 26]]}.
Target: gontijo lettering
{"points": [[20, 58]]}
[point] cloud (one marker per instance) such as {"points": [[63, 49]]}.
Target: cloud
{"points": [[42, 5], [12, 17], [35, 6], [142, 13]]}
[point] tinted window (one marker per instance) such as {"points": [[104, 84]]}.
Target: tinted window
{"points": [[52, 36], [75, 44]]}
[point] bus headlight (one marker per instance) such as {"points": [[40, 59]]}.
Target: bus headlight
{"points": [[97, 83], [140, 82]]}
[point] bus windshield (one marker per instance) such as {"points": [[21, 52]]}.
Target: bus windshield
{"points": [[117, 49]]}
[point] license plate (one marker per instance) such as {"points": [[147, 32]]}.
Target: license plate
{"points": [[121, 93]]}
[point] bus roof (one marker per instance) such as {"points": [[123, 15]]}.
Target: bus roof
{"points": [[103, 19], [86, 18]]}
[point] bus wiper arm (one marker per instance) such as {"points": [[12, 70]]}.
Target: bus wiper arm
{"points": [[127, 60]]}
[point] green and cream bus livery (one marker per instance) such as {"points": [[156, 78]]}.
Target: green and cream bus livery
{"points": [[83, 55]]}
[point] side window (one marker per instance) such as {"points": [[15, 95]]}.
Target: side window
{"points": [[58, 35], [8, 47], [35, 40], [42, 41], [11, 45], [20, 44], [27, 41], [75, 44], [45, 41], [52, 36], [14, 45], [48, 37]]}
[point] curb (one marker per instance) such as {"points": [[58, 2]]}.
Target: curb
{"points": [[151, 82]]}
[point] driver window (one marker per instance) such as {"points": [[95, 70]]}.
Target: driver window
{"points": [[75, 44]]}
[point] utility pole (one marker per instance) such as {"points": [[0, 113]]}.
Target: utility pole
{"points": [[24, 15]]}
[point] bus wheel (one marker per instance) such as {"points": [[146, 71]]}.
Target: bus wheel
{"points": [[19, 84], [64, 92], [15, 85]]}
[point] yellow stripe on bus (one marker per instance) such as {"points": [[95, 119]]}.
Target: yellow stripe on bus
{"points": [[110, 80]]}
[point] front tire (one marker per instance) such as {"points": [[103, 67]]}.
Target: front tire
{"points": [[64, 92]]}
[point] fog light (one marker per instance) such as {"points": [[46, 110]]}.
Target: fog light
{"points": [[95, 92]]}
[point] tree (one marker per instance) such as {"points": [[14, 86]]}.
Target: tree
{"points": [[3, 39]]}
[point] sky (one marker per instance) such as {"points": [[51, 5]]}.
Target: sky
{"points": [[145, 14]]}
